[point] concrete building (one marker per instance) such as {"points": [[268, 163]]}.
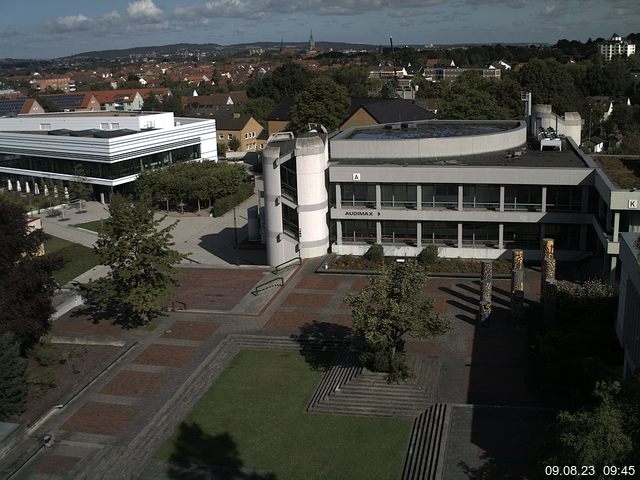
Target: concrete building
{"points": [[476, 189], [628, 321], [616, 46], [112, 148]]}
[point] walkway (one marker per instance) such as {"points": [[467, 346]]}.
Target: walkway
{"points": [[112, 430]]}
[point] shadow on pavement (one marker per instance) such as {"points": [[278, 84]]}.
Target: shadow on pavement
{"points": [[319, 342], [223, 246]]}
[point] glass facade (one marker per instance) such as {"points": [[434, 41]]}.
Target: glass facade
{"points": [[358, 231], [108, 171], [441, 195], [289, 179], [522, 235], [398, 195], [359, 195], [523, 197], [398, 232], [480, 234], [564, 199], [481, 196], [440, 233], [290, 220]]}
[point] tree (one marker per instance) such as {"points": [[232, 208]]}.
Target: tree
{"points": [[13, 377], [259, 108], [390, 306], [595, 435], [234, 144], [26, 282], [550, 83], [354, 79], [78, 187], [324, 101], [142, 262], [152, 103]]}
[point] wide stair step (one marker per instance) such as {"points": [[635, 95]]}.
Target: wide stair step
{"points": [[424, 460]]}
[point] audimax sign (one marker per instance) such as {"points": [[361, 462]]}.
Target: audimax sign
{"points": [[360, 213]]}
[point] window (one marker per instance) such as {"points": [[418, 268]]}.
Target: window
{"points": [[481, 196], [522, 235], [441, 195], [523, 197], [564, 199], [45, 126], [229, 136], [481, 234], [395, 232], [359, 195], [399, 195], [358, 231], [220, 137], [115, 126], [440, 233]]}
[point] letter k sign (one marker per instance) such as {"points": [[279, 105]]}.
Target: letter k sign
{"points": [[633, 203]]}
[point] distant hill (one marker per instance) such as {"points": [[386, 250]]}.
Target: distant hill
{"points": [[211, 47]]}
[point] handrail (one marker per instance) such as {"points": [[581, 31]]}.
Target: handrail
{"points": [[286, 264], [269, 284]]}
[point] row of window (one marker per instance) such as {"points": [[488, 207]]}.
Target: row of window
{"points": [[516, 197], [109, 171], [516, 235]]}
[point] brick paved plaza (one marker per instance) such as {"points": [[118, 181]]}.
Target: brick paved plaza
{"points": [[129, 411]]}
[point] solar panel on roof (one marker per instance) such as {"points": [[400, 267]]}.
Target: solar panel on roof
{"points": [[66, 102], [11, 106]]}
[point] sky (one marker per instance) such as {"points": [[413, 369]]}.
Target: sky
{"points": [[49, 29]]}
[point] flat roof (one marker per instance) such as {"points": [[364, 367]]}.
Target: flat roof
{"points": [[435, 129], [530, 157], [100, 113], [624, 172]]}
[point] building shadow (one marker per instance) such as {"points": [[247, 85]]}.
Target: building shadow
{"points": [[200, 456], [223, 245], [320, 341]]}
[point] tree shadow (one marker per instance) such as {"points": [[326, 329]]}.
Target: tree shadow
{"points": [[320, 341], [491, 469], [199, 456]]}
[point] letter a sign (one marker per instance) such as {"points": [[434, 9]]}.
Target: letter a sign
{"points": [[356, 177]]}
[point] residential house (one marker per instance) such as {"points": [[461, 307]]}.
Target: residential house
{"points": [[500, 65], [214, 104], [19, 106], [440, 63], [58, 83], [74, 102], [616, 46], [243, 127], [375, 111], [606, 105], [119, 100]]}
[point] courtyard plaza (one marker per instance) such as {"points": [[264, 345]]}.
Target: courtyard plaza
{"points": [[115, 426]]}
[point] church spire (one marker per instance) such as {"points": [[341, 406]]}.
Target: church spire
{"points": [[312, 43]]}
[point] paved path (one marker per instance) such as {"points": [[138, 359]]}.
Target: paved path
{"points": [[114, 428]]}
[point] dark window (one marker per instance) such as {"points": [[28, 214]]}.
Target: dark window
{"points": [[395, 232], [440, 233], [358, 231], [481, 196], [359, 195], [289, 179], [482, 234], [564, 199], [565, 236], [399, 195], [290, 220], [523, 197], [441, 195], [522, 235]]}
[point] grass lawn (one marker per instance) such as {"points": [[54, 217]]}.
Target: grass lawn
{"points": [[624, 172], [93, 226], [78, 258], [254, 417]]}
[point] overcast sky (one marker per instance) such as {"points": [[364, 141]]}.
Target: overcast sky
{"points": [[54, 28]]}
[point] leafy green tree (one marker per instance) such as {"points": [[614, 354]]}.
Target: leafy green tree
{"points": [[354, 78], [595, 435], [138, 251], [259, 108], [550, 83], [26, 282], [463, 100], [79, 186], [13, 377], [222, 149], [285, 81], [234, 144], [152, 103], [173, 104], [324, 101], [391, 306]]}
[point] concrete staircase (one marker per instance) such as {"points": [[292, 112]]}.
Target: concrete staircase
{"points": [[352, 390], [425, 455]]}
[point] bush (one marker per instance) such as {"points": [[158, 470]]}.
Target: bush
{"points": [[428, 255], [45, 355], [375, 253], [224, 204]]}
